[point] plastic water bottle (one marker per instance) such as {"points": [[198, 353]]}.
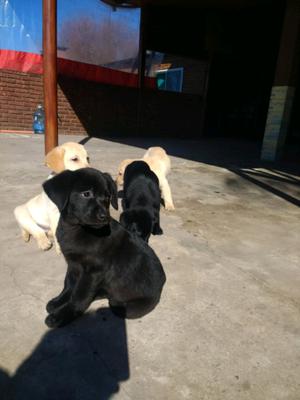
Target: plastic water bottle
{"points": [[39, 120]]}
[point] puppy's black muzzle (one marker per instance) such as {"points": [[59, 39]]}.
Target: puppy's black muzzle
{"points": [[97, 218], [102, 218]]}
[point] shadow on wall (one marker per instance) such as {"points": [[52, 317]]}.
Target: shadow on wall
{"points": [[117, 111], [100, 108], [241, 157], [85, 360]]}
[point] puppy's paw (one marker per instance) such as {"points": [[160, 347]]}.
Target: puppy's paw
{"points": [[157, 230], [52, 322], [43, 242], [50, 235], [25, 235], [51, 306], [57, 249], [57, 319], [61, 315], [169, 207]]}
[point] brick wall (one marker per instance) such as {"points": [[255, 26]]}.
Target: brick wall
{"points": [[99, 110], [20, 93]]}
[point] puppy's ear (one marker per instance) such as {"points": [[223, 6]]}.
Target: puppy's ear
{"points": [[55, 159], [59, 188], [113, 190]]}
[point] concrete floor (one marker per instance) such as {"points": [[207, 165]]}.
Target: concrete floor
{"points": [[228, 325]]}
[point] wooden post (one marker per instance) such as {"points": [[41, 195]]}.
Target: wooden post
{"points": [[141, 70], [50, 73], [142, 50]]}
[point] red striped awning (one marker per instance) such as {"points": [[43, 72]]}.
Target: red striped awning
{"points": [[33, 63]]}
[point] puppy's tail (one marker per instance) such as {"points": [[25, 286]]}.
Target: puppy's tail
{"points": [[134, 308]]}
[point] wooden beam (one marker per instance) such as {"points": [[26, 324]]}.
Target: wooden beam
{"points": [[50, 73]]}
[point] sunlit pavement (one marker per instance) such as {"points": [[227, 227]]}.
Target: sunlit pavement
{"points": [[228, 324]]}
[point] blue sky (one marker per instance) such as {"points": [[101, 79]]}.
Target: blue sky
{"points": [[21, 20]]}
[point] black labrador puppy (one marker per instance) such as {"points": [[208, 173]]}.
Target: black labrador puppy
{"points": [[141, 201], [104, 259]]}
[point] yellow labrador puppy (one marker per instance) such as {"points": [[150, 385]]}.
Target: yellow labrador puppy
{"points": [[160, 163], [39, 216]]}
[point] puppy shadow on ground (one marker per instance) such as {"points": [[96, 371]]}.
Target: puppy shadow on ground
{"points": [[85, 360]]}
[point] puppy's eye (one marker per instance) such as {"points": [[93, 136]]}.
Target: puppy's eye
{"points": [[74, 158], [87, 194]]}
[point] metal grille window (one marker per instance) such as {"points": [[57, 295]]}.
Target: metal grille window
{"points": [[170, 79]]}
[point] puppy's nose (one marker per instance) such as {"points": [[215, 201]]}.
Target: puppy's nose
{"points": [[102, 217]]}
